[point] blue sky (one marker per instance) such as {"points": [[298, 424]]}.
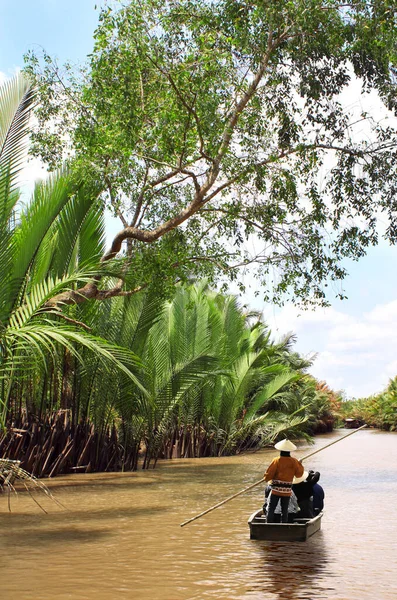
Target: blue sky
{"points": [[355, 340], [63, 27]]}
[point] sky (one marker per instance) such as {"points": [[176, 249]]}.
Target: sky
{"points": [[354, 340]]}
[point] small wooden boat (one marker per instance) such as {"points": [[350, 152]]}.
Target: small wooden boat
{"points": [[353, 423], [298, 531]]}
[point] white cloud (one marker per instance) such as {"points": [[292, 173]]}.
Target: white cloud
{"points": [[10, 73], [384, 313], [329, 359], [355, 352], [33, 171], [391, 368]]}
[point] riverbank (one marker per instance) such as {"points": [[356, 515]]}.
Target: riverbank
{"points": [[57, 445]]}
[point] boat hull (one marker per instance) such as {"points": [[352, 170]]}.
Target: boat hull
{"points": [[299, 531]]}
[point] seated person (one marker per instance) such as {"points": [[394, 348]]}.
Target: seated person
{"points": [[268, 491], [318, 493], [310, 495], [303, 490]]}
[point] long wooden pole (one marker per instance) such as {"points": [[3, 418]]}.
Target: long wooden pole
{"points": [[332, 443], [263, 479]]}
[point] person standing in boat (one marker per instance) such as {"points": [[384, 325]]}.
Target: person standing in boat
{"points": [[293, 506], [281, 473]]}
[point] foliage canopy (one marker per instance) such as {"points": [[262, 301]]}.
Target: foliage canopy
{"points": [[214, 127]]}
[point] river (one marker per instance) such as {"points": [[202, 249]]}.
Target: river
{"points": [[120, 537]]}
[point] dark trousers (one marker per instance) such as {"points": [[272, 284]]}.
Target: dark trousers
{"points": [[306, 508], [284, 500]]}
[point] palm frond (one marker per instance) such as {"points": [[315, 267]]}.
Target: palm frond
{"points": [[270, 390], [16, 102], [11, 473]]}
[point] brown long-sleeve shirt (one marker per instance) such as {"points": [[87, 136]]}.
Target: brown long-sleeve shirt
{"points": [[281, 473]]}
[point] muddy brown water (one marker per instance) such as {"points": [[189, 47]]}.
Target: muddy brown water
{"points": [[121, 539]]}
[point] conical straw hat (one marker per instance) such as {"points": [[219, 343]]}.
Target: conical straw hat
{"points": [[285, 445]]}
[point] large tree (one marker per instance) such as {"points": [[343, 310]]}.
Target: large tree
{"points": [[216, 127]]}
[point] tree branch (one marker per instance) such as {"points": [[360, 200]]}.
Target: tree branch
{"points": [[202, 192], [140, 199]]}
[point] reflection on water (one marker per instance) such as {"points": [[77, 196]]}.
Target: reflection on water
{"points": [[292, 570], [121, 538]]}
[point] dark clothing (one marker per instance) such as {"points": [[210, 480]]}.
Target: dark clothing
{"points": [[310, 496], [277, 516], [274, 500], [304, 492], [318, 498], [306, 509]]}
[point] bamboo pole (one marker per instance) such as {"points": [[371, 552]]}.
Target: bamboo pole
{"points": [[263, 479], [332, 443], [223, 502]]}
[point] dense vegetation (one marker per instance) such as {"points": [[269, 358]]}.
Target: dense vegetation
{"points": [[90, 386], [208, 379], [379, 410], [93, 385], [203, 126]]}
